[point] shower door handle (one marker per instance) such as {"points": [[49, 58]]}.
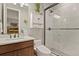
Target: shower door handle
{"points": [[49, 29]]}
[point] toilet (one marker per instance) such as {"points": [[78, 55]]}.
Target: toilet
{"points": [[40, 49]]}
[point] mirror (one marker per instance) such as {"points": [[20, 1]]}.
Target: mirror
{"points": [[15, 19], [12, 21]]}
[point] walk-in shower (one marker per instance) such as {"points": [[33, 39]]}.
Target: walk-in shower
{"points": [[61, 28]]}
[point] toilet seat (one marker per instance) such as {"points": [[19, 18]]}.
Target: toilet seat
{"points": [[43, 49]]}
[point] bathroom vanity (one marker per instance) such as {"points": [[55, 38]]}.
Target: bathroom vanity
{"points": [[14, 21], [17, 47]]}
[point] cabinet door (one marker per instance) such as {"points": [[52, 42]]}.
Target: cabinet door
{"points": [[13, 53], [26, 52]]}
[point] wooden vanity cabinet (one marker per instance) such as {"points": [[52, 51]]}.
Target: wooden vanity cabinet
{"points": [[18, 49], [29, 52]]}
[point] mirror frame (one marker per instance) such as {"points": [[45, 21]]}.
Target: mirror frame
{"points": [[18, 17]]}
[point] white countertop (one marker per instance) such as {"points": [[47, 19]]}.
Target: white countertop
{"points": [[14, 40]]}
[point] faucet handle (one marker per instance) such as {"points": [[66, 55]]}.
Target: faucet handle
{"points": [[14, 35], [17, 35], [10, 36]]}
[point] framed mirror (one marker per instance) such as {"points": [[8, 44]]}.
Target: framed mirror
{"points": [[12, 21]]}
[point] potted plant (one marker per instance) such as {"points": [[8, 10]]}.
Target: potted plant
{"points": [[37, 7]]}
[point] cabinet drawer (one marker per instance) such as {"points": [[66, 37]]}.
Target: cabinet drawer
{"points": [[26, 52], [15, 46]]}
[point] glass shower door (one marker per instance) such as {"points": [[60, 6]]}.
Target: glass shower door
{"points": [[62, 29]]}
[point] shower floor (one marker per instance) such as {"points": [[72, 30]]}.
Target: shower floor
{"points": [[56, 52]]}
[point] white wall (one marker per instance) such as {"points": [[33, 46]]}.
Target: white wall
{"points": [[35, 29], [35, 22]]}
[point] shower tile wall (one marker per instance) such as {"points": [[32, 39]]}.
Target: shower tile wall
{"points": [[63, 16]]}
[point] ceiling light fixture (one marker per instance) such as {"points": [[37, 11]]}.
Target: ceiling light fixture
{"points": [[22, 4]]}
